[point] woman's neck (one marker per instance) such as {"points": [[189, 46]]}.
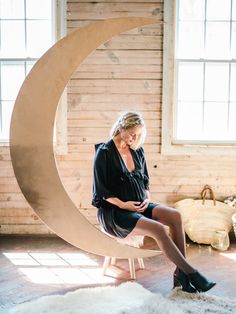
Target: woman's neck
{"points": [[120, 144]]}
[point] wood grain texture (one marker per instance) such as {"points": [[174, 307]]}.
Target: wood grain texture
{"points": [[123, 74]]}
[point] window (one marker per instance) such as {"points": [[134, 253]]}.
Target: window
{"points": [[199, 98], [27, 29]]}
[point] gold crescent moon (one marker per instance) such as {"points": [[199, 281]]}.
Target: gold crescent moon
{"points": [[31, 138]]}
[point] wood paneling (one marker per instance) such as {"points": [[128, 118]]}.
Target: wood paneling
{"points": [[125, 73], [96, 11]]}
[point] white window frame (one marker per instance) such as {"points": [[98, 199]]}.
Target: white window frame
{"points": [[169, 73], [61, 142], [60, 29]]}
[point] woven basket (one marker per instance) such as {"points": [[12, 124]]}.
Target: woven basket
{"points": [[202, 218]]}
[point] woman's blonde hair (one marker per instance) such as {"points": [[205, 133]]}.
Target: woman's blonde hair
{"points": [[129, 120]]}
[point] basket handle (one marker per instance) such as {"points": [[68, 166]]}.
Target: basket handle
{"points": [[204, 193]]}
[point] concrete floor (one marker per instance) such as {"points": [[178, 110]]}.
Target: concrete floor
{"points": [[35, 266]]}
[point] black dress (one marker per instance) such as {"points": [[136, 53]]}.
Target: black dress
{"points": [[112, 179]]}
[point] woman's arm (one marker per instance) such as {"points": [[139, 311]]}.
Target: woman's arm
{"points": [[116, 201], [101, 184], [130, 205]]}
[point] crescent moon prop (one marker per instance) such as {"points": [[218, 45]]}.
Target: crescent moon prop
{"points": [[31, 138]]}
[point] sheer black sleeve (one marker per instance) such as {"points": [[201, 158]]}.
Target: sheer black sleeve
{"points": [[145, 170], [100, 177]]}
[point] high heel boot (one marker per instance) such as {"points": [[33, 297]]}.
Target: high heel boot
{"points": [[200, 282], [175, 281], [181, 279]]}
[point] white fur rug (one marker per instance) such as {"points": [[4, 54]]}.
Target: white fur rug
{"points": [[128, 298]]}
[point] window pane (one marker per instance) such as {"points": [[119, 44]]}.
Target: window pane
{"points": [[12, 39], [191, 10], [232, 124], [39, 37], [190, 81], [216, 82], [208, 117], [190, 40], [7, 107], [218, 10], [11, 9], [29, 65], [12, 77], [215, 120], [189, 120], [233, 43], [233, 83], [234, 10], [36, 9], [26, 31], [217, 40]]}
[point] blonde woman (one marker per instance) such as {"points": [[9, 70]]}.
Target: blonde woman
{"points": [[121, 194]]}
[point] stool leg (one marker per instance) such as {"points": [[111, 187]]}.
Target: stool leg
{"points": [[141, 263], [132, 268], [106, 264], [113, 261]]}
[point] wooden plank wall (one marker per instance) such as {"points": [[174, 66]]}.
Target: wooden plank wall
{"points": [[124, 73]]}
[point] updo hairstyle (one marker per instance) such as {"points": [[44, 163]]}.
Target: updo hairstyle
{"points": [[129, 120]]}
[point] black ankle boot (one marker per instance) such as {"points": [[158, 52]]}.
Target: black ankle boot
{"points": [[200, 282], [181, 279], [175, 281]]}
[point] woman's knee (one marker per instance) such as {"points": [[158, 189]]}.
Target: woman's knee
{"points": [[176, 217], [160, 231], [150, 228]]}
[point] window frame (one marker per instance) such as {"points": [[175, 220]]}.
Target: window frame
{"points": [[60, 30], [61, 139], [168, 147]]}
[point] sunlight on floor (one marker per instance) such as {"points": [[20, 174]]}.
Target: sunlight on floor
{"points": [[46, 268], [229, 255]]}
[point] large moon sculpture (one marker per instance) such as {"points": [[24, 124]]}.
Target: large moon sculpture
{"points": [[31, 138]]}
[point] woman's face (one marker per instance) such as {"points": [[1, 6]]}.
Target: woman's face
{"points": [[129, 136]]}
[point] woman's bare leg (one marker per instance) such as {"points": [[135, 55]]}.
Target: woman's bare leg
{"points": [[157, 231], [172, 218]]}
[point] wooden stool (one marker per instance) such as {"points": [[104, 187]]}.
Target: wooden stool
{"points": [[136, 241]]}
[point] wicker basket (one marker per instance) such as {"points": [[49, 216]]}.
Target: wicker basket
{"points": [[203, 217], [234, 223]]}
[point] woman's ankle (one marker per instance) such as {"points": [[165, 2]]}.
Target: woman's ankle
{"points": [[190, 271], [176, 272]]}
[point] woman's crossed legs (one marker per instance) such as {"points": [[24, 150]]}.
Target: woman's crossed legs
{"points": [[174, 246]]}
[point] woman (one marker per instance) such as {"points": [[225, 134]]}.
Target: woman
{"points": [[121, 194]]}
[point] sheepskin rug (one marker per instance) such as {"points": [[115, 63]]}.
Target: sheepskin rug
{"points": [[127, 298]]}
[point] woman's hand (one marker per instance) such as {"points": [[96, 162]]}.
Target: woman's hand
{"points": [[136, 206], [144, 204], [132, 206]]}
